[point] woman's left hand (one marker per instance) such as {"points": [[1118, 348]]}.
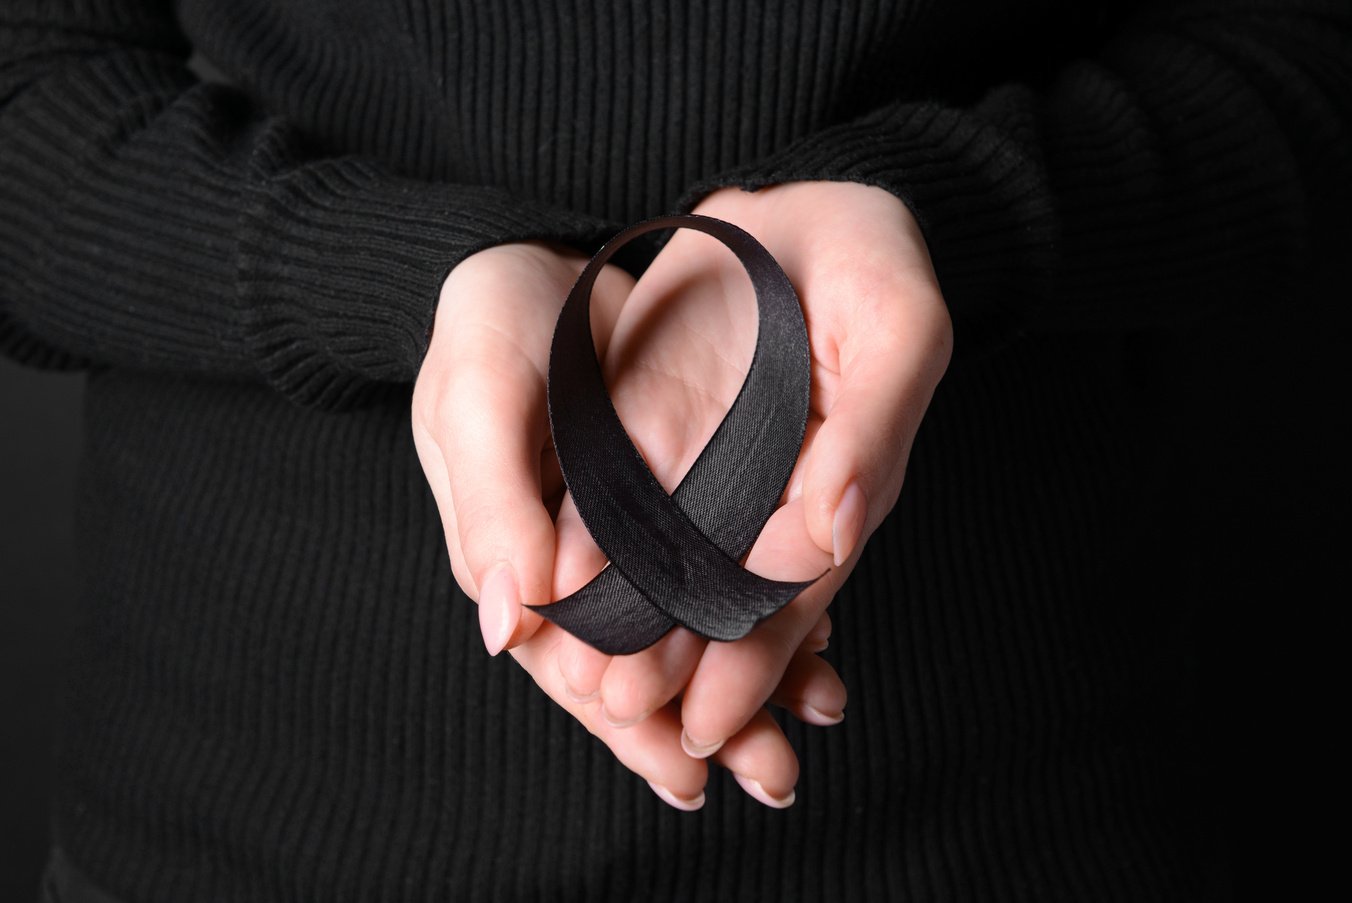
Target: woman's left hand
{"points": [[881, 339]]}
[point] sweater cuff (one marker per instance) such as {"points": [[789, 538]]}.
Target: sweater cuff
{"points": [[341, 265], [980, 201]]}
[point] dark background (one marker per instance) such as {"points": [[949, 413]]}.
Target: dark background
{"points": [[1256, 416], [39, 450]]}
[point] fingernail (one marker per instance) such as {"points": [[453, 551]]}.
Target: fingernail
{"points": [[818, 645], [499, 607], [699, 750], [753, 787], [673, 800], [813, 715], [848, 525]]}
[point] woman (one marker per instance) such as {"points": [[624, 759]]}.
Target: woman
{"points": [[313, 304]]}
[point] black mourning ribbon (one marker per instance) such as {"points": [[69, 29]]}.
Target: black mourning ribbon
{"points": [[675, 559]]}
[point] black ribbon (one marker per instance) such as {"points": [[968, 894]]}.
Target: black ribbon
{"points": [[675, 559]]}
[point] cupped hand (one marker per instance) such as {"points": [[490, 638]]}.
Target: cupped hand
{"points": [[881, 339], [480, 428]]}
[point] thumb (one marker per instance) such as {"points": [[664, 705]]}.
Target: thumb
{"points": [[489, 414], [506, 534], [857, 460]]}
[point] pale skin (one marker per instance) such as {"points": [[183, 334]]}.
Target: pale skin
{"points": [[675, 347]]}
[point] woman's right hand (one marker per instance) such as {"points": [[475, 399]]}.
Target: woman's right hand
{"points": [[480, 426]]}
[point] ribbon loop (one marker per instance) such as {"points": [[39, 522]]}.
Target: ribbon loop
{"points": [[674, 559]]}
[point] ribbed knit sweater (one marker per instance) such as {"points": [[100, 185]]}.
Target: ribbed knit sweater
{"points": [[277, 691]]}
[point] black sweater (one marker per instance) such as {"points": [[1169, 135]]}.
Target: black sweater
{"points": [[278, 693]]}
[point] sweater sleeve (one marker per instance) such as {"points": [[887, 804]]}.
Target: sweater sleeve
{"points": [[149, 219], [1194, 157]]}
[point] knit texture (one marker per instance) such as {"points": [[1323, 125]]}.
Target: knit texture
{"points": [[278, 693]]}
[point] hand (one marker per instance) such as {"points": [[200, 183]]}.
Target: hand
{"points": [[881, 339], [480, 429]]}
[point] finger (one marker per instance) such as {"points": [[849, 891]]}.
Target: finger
{"points": [[582, 668], [552, 488], [650, 749], [494, 416], [793, 489], [486, 368], [734, 680], [577, 557], [853, 472], [634, 686], [576, 561], [819, 637], [762, 761], [812, 690]]}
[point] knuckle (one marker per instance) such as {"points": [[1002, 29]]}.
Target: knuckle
{"points": [[570, 662], [480, 537], [625, 687], [780, 647]]}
